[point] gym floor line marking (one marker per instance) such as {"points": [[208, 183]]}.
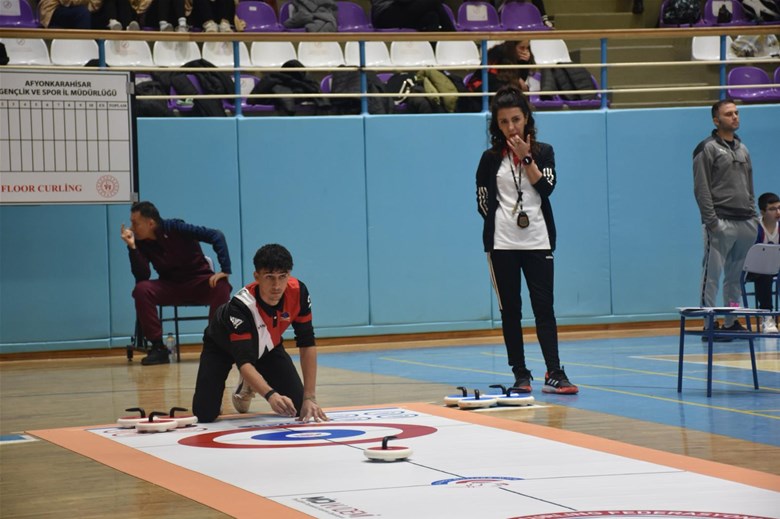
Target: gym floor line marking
{"points": [[617, 391], [664, 374]]}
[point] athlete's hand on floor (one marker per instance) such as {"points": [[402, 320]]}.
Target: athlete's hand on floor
{"points": [[282, 405], [311, 411]]}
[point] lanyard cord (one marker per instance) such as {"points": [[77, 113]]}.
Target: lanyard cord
{"points": [[517, 184]]}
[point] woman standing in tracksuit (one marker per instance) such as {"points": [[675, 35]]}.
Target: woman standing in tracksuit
{"points": [[515, 179]]}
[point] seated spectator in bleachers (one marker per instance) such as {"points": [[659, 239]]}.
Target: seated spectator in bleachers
{"points": [[506, 53], [168, 15], [314, 15], [422, 15], [116, 15], [65, 14]]}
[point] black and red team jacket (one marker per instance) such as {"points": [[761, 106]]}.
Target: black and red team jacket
{"points": [[246, 327]]}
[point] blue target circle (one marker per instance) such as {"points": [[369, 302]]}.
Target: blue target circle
{"points": [[318, 434]]}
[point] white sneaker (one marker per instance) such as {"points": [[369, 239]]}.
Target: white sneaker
{"points": [[165, 27], [224, 26], [210, 26], [769, 325], [243, 395], [133, 26], [114, 25], [182, 28]]}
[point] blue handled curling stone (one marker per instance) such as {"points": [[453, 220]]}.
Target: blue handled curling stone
{"points": [[477, 401], [512, 396], [452, 400]]}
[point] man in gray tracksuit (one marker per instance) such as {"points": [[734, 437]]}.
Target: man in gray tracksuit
{"points": [[723, 186]]}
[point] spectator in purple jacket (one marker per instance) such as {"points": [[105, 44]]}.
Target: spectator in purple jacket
{"points": [[184, 274]]}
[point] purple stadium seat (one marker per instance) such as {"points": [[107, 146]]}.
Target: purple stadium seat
{"points": [[325, 84], [352, 18], [24, 18], [748, 75], [553, 101], [586, 103], [449, 12], [777, 81], [259, 16], [248, 82], [478, 16], [710, 13], [522, 16], [285, 12]]}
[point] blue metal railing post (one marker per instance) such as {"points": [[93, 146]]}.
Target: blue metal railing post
{"points": [[237, 76], [363, 79], [101, 53], [604, 100]]}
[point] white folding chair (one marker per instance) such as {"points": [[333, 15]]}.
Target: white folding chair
{"points": [[457, 53], [272, 53], [377, 54], [762, 258], [123, 53], [550, 51], [174, 53], [73, 53], [320, 54], [26, 51], [412, 54], [220, 53], [707, 48]]}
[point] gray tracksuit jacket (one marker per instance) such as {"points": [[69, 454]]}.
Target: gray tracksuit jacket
{"points": [[723, 181]]}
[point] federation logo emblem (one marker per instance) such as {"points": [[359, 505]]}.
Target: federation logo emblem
{"points": [[107, 186]]}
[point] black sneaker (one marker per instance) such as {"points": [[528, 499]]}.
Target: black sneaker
{"points": [[735, 327], [717, 338], [156, 356], [523, 381], [556, 381]]}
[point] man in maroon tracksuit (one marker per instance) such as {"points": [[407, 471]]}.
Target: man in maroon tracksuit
{"points": [[184, 274]]}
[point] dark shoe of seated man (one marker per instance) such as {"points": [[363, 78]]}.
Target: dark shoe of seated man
{"points": [[717, 338], [157, 355]]}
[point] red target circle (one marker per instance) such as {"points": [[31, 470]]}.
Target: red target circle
{"points": [[210, 440]]}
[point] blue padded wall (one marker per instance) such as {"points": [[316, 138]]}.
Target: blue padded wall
{"points": [[303, 185], [426, 261], [380, 215]]}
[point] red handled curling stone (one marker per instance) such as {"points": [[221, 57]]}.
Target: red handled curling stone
{"points": [[452, 400], [386, 453], [128, 422], [477, 402], [155, 424], [514, 396], [184, 420]]}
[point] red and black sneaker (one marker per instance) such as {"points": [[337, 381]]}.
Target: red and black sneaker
{"points": [[556, 381], [523, 381]]}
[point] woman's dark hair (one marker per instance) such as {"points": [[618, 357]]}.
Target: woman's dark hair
{"points": [[511, 97], [273, 258]]}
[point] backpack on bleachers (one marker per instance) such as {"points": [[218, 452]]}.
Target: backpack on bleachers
{"points": [[348, 82], [680, 12], [430, 82], [151, 107], [573, 78], [761, 10]]}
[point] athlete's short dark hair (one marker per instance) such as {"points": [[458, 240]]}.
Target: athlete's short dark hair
{"points": [[273, 258], [716, 106], [147, 210], [766, 199]]}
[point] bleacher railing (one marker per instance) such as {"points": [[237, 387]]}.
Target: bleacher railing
{"points": [[605, 38]]}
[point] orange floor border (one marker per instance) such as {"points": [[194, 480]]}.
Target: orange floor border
{"points": [[235, 501]]}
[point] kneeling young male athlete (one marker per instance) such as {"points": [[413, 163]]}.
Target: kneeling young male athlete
{"points": [[247, 331]]}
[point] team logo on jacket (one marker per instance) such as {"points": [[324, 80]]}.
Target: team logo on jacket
{"points": [[285, 316], [236, 322]]}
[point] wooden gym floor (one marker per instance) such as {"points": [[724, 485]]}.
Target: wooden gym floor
{"points": [[628, 393]]}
